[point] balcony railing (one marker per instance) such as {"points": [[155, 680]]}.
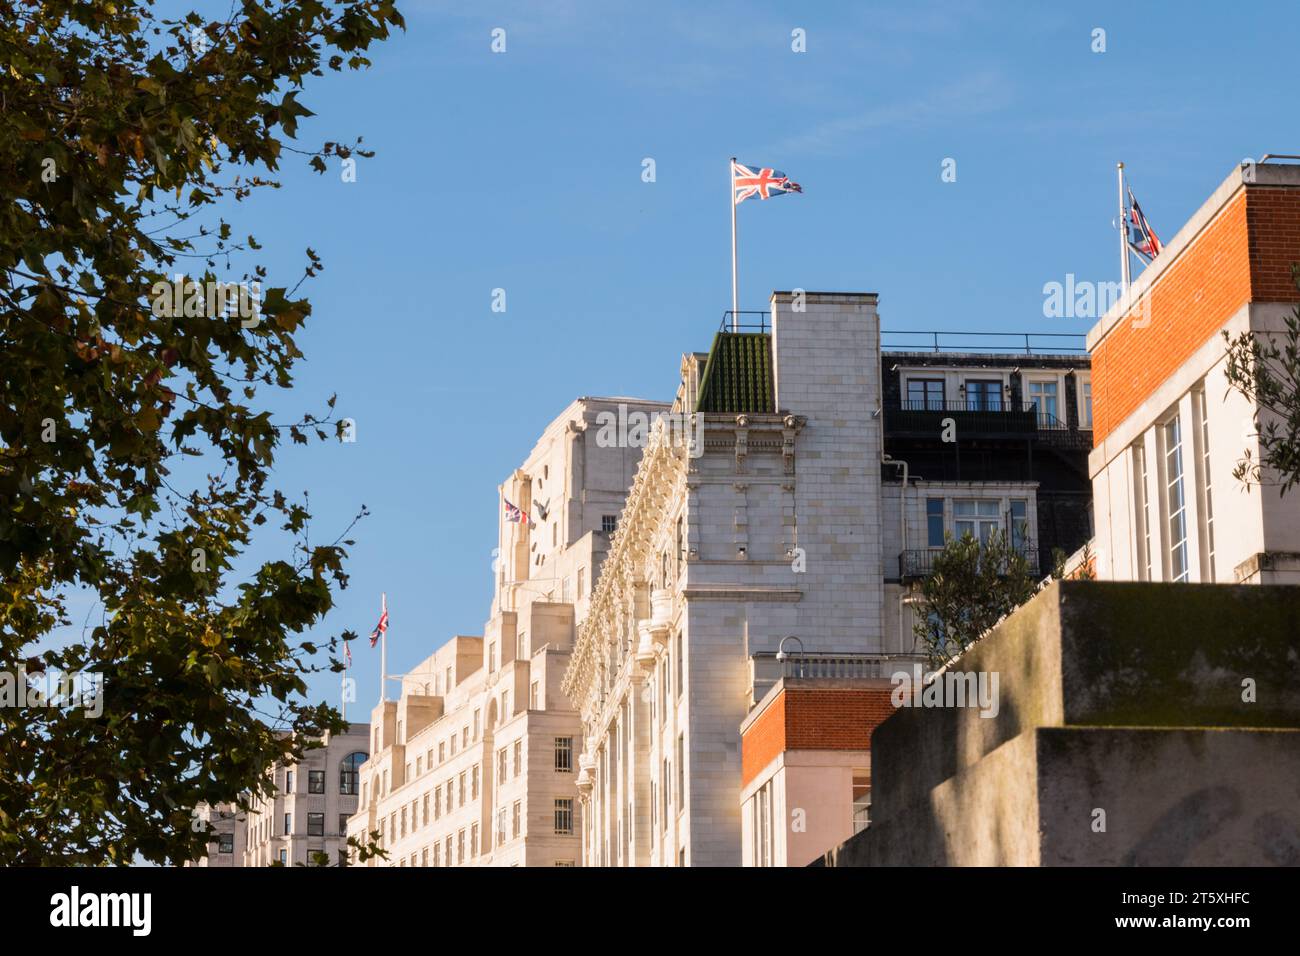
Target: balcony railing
{"points": [[919, 562], [834, 665], [986, 418], [982, 417]]}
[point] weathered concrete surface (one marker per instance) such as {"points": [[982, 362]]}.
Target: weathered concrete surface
{"points": [[1119, 697]]}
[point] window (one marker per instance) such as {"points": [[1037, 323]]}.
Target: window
{"points": [[1019, 531], [608, 523], [400, 738], [666, 788], [1207, 497], [564, 815], [681, 772], [505, 705], [409, 775], [449, 860], [349, 773], [984, 395], [476, 725], [492, 657], [316, 824], [1142, 507], [464, 737], [977, 517], [582, 581], [402, 829], [501, 765], [226, 843], [925, 394], [566, 589], [425, 809], [473, 782], [680, 665], [424, 857], [516, 812], [343, 824], [501, 826], [419, 766], [448, 684], [460, 846], [532, 696], [1042, 398], [1085, 403], [473, 840], [392, 827], [861, 800], [288, 824], [428, 759], [564, 754], [437, 854], [452, 741], [934, 522], [288, 781], [681, 545], [521, 646], [763, 826], [284, 857], [1175, 503], [461, 789], [519, 757], [442, 752], [437, 802]]}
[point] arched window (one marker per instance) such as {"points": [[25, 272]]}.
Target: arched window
{"points": [[348, 775]]}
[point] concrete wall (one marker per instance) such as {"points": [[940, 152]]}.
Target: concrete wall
{"points": [[1154, 703]]}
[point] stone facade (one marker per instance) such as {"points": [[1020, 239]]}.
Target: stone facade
{"points": [[474, 764], [308, 813]]}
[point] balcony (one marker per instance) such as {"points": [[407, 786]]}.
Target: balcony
{"points": [[919, 562], [988, 420], [927, 418]]}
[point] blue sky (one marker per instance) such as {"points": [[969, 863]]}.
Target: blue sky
{"points": [[522, 171]]}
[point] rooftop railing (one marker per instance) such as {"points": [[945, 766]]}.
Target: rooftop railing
{"points": [[1029, 343], [908, 340]]}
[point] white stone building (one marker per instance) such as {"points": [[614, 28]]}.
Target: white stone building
{"points": [[474, 764], [309, 812], [765, 519]]}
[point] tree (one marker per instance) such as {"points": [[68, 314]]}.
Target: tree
{"points": [[971, 588], [125, 139], [1267, 372]]}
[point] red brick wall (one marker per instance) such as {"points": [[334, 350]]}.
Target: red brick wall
{"points": [[812, 718], [763, 740], [1243, 255]]}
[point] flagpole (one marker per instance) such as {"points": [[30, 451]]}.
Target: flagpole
{"points": [[735, 296], [1123, 235]]}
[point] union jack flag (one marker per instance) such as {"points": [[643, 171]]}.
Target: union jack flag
{"points": [[750, 181], [382, 627], [347, 653], [1141, 236], [515, 514]]}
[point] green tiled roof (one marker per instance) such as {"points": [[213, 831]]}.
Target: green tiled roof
{"points": [[738, 374]]}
